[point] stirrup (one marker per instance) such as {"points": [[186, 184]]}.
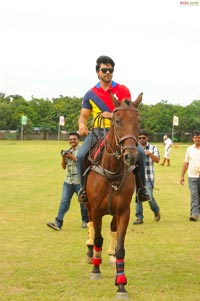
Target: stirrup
{"points": [[82, 196], [141, 197]]}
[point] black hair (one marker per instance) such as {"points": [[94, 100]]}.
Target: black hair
{"points": [[103, 59], [75, 134], [144, 132], [196, 133]]}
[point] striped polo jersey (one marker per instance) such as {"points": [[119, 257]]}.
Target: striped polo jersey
{"points": [[98, 100]]}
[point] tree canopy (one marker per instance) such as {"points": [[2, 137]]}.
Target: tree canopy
{"points": [[44, 114]]}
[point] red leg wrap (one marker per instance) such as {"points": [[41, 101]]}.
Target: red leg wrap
{"points": [[121, 279], [96, 261], [97, 249]]}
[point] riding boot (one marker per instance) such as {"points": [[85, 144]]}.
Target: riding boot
{"points": [[142, 194], [168, 162], [163, 163], [82, 195]]}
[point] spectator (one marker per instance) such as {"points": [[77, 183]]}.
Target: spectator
{"points": [[152, 155], [167, 148], [192, 165], [71, 184]]}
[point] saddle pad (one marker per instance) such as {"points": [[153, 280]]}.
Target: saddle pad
{"points": [[96, 151]]}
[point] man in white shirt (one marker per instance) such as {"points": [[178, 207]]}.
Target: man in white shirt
{"points": [[167, 144], [192, 164]]}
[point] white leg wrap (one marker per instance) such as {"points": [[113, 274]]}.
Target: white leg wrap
{"points": [[97, 254], [113, 242], [90, 240]]}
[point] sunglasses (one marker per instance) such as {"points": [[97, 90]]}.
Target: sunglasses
{"points": [[105, 70], [142, 138]]}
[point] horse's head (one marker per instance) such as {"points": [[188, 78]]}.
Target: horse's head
{"points": [[126, 125]]}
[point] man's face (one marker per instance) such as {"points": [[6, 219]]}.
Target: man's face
{"points": [[73, 140], [143, 139], [196, 139], [105, 73]]}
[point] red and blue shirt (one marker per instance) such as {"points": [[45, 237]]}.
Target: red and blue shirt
{"points": [[98, 100]]}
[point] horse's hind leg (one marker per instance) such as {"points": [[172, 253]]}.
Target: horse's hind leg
{"points": [[113, 241], [96, 260], [90, 242]]}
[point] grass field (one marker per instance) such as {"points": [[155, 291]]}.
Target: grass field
{"points": [[39, 264]]}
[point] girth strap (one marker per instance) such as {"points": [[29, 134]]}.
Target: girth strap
{"points": [[109, 174]]}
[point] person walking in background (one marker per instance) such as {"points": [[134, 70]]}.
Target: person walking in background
{"points": [[71, 184], [152, 155], [167, 148], [192, 165], [98, 100]]}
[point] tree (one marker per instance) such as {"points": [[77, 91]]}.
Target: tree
{"points": [[45, 113]]}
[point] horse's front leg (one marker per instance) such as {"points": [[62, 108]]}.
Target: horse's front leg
{"points": [[120, 282], [97, 250]]}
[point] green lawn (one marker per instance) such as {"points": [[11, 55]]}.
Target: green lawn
{"points": [[39, 264]]}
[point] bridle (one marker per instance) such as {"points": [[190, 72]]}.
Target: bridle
{"points": [[120, 149]]}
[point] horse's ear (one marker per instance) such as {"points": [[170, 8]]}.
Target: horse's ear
{"points": [[138, 100], [114, 100]]}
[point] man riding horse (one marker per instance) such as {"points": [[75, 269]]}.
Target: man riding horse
{"points": [[98, 100]]}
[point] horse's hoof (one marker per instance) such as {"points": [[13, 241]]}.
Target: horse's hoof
{"points": [[89, 259], [122, 295], [112, 259], [95, 276]]}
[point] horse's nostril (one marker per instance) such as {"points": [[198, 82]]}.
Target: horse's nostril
{"points": [[129, 159]]}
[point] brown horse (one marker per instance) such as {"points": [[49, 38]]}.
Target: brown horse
{"points": [[110, 185]]}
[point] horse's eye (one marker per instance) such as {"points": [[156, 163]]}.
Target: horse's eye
{"points": [[117, 121]]}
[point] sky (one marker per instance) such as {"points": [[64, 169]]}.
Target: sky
{"points": [[49, 48]]}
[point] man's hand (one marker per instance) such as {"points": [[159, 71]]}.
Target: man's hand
{"points": [[82, 122], [107, 115], [147, 153], [70, 156], [83, 130], [182, 180]]}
